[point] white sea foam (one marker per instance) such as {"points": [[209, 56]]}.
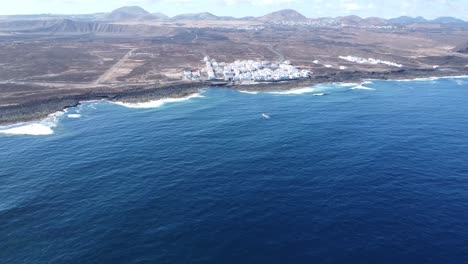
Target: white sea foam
{"points": [[346, 84], [296, 91], [427, 79], [32, 129], [249, 92], [433, 78], [457, 77], [362, 87], [37, 128], [319, 94], [74, 116], [157, 103]]}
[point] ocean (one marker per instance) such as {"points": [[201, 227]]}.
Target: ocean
{"points": [[339, 173]]}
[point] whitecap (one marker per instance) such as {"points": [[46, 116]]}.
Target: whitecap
{"points": [[427, 79], [457, 77], [249, 92], [36, 128], [296, 91], [346, 84], [74, 116], [157, 103], [362, 87], [32, 129], [319, 94]]}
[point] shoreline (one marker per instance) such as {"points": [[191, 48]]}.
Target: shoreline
{"points": [[40, 109]]}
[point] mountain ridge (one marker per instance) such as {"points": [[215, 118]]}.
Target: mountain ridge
{"points": [[129, 13], [284, 15]]}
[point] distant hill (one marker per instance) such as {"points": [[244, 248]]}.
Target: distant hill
{"points": [[284, 15], [376, 21], [196, 16], [27, 25], [71, 26], [358, 21], [160, 16], [350, 20], [67, 26], [417, 20], [129, 13], [447, 20], [407, 20]]}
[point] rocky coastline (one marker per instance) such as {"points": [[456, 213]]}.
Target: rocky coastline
{"points": [[41, 107]]}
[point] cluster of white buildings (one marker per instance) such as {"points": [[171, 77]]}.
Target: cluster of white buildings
{"points": [[370, 61], [329, 23], [248, 28], [192, 75], [249, 70]]}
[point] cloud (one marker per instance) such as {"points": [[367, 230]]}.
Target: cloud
{"points": [[349, 5]]}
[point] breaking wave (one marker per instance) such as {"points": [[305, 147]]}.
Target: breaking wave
{"points": [[37, 128], [249, 92], [346, 84], [157, 103], [433, 78], [74, 116], [362, 87], [296, 91]]}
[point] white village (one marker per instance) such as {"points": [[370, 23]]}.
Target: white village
{"points": [[246, 71], [250, 71]]}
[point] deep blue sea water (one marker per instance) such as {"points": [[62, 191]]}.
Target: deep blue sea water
{"points": [[355, 176]]}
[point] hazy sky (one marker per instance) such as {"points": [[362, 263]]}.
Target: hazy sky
{"points": [[239, 8]]}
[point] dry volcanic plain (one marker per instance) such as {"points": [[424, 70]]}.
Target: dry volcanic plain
{"points": [[46, 66]]}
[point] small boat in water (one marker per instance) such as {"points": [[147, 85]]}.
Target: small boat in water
{"points": [[265, 116]]}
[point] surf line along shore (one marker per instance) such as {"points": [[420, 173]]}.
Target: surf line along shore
{"points": [[41, 106]]}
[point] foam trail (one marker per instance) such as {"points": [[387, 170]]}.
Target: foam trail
{"points": [[38, 128], [296, 91], [157, 103]]}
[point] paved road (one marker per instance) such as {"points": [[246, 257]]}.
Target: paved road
{"points": [[108, 74], [274, 50]]}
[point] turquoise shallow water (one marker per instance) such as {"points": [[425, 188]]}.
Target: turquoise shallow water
{"points": [[354, 176]]}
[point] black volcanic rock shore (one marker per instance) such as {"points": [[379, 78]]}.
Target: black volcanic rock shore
{"points": [[41, 107]]}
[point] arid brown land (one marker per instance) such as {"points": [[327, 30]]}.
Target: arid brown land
{"points": [[45, 67]]}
